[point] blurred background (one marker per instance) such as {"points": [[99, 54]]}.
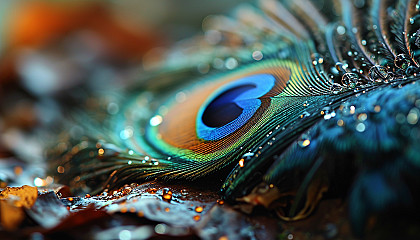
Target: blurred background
{"points": [[53, 53]]}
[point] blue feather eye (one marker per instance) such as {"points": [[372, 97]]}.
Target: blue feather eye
{"points": [[232, 106], [220, 114]]}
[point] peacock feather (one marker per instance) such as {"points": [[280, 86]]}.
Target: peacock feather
{"points": [[298, 100]]}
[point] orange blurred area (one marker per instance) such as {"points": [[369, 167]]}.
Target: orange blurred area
{"points": [[40, 24], [37, 23], [55, 50]]}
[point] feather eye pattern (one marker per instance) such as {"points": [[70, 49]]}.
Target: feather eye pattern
{"points": [[296, 99]]}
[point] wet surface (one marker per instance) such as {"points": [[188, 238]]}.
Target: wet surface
{"points": [[137, 212], [164, 211]]}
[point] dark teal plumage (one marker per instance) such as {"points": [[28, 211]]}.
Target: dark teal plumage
{"points": [[379, 162]]}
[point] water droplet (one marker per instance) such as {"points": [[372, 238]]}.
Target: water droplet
{"points": [[180, 97], [127, 133], [167, 194], [39, 182], [112, 108], [317, 59], [328, 115], [218, 63], [417, 103], [242, 162], [101, 151], [126, 190], [364, 42], [199, 209], [411, 70], [413, 116], [339, 66], [257, 55], [231, 63], [161, 228], [304, 141], [352, 109], [203, 68], [362, 117], [305, 114], [156, 120], [411, 20], [402, 61], [341, 30], [60, 169], [350, 80], [335, 88], [377, 73], [247, 155], [360, 127], [124, 235]]}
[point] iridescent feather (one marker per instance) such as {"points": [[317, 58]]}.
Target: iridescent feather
{"points": [[301, 100]]}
